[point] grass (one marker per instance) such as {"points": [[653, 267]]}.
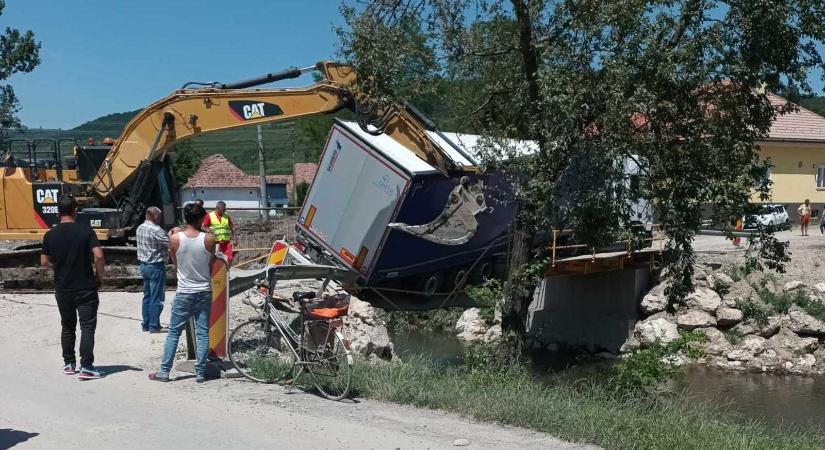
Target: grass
{"points": [[770, 303], [587, 414]]}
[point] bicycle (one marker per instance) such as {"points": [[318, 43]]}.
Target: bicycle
{"points": [[271, 347]]}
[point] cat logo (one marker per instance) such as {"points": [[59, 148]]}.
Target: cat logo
{"points": [[251, 110], [46, 196]]}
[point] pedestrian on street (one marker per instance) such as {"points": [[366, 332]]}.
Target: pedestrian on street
{"points": [[822, 223], [152, 252], [222, 227], [72, 250], [192, 251], [804, 211]]}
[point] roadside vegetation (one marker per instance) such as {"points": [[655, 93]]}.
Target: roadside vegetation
{"points": [[585, 412]]}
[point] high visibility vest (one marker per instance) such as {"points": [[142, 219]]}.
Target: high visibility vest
{"points": [[220, 227]]}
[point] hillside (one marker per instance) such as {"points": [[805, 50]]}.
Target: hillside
{"points": [[815, 104]]}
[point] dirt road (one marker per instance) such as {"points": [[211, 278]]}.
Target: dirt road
{"points": [[42, 408]]}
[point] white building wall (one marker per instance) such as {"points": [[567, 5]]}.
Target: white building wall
{"points": [[233, 197]]}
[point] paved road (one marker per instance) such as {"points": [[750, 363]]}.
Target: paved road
{"points": [[41, 408]]}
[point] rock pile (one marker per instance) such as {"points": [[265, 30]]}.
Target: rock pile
{"points": [[744, 333], [472, 327]]}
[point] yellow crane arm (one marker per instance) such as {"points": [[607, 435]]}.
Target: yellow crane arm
{"points": [[189, 112]]}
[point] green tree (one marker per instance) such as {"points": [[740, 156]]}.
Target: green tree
{"points": [[674, 84], [187, 160], [19, 53]]}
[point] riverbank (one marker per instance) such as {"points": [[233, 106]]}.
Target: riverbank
{"points": [[584, 412]]}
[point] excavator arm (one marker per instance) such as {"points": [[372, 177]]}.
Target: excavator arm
{"points": [[189, 112]]}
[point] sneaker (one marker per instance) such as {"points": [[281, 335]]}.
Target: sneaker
{"points": [[89, 373], [200, 379], [159, 330], [69, 369], [157, 376]]}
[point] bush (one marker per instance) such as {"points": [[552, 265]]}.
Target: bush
{"points": [[646, 368]]}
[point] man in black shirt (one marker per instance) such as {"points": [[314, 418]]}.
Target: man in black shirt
{"points": [[71, 249]]}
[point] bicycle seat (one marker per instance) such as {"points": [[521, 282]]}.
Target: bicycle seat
{"points": [[298, 296]]}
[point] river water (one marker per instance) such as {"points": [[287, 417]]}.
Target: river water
{"points": [[787, 401]]}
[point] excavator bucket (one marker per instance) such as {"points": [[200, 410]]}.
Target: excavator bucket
{"points": [[457, 223]]}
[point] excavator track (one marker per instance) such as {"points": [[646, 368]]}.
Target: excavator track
{"points": [[20, 270]]}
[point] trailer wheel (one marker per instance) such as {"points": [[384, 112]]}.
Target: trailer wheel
{"points": [[482, 271], [458, 276], [430, 283]]}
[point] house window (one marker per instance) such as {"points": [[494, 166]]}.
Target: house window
{"points": [[820, 177]]}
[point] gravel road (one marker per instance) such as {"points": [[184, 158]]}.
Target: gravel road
{"points": [[42, 408], [807, 254]]}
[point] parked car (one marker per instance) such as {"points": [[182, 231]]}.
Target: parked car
{"points": [[769, 216]]}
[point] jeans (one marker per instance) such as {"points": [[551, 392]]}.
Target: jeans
{"points": [[154, 283], [71, 305], [185, 306]]}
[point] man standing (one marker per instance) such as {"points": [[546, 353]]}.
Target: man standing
{"points": [[71, 249], [222, 227], [192, 252], [152, 252]]}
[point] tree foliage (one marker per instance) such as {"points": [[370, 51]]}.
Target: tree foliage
{"points": [[187, 159], [19, 53], [675, 85]]}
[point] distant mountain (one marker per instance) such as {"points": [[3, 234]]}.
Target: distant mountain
{"points": [[815, 104], [111, 124]]}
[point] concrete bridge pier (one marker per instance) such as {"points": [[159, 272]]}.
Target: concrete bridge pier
{"points": [[595, 311]]}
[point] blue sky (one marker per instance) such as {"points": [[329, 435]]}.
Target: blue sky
{"points": [[100, 57]]}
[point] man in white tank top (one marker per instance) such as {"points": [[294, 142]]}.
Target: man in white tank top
{"points": [[192, 251]]}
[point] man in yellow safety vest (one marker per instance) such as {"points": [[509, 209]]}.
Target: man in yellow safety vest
{"points": [[222, 228]]}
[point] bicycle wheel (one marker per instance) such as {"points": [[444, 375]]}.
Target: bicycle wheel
{"points": [[329, 363], [260, 352]]}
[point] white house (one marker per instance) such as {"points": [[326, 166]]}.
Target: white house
{"points": [[218, 179]]}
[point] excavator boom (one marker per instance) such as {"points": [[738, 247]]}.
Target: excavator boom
{"points": [[189, 112]]}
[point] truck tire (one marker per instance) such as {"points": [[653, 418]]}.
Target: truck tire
{"points": [[430, 283], [482, 271], [458, 276]]}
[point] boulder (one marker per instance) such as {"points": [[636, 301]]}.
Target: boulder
{"points": [[695, 319], [471, 326], [753, 344], [750, 347], [819, 288], [790, 341], [766, 330], [739, 354], [631, 344], [739, 291], [803, 365], [649, 331], [801, 322], [719, 279], [493, 334], [728, 316], [770, 360], [654, 301], [793, 285], [368, 336], [717, 343], [703, 299]]}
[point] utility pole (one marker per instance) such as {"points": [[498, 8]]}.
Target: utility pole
{"points": [[262, 171]]}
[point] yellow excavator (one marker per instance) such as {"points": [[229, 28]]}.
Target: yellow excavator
{"points": [[115, 183]]}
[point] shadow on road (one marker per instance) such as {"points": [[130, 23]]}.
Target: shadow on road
{"points": [[10, 437], [111, 370]]}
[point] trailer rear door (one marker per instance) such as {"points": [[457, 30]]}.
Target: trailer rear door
{"points": [[355, 193]]}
